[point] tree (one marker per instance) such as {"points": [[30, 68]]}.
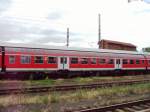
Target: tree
{"points": [[147, 49]]}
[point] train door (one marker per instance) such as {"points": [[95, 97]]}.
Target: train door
{"points": [[63, 63], [118, 64]]}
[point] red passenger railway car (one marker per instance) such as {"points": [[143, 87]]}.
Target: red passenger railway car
{"points": [[24, 61]]}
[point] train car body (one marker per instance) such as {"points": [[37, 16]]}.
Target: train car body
{"points": [[34, 58], [0, 58], [147, 57]]}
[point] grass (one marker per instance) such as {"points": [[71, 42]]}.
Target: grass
{"points": [[79, 95], [41, 82], [60, 100], [77, 80], [81, 80]]}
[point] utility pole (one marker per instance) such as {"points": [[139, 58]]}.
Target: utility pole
{"points": [[99, 30], [67, 37]]}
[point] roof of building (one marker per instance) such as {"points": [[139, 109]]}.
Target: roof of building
{"points": [[120, 43]]}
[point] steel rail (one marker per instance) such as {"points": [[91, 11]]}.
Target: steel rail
{"points": [[34, 89], [135, 106]]}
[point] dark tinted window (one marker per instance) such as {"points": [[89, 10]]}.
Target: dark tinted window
{"points": [[102, 61], [11, 59], [84, 60], [38, 59], [143, 61], [74, 60], [118, 61], [125, 61], [110, 61], [25, 59], [131, 62], [63, 60], [51, 60], [93, 60], [137, 61]]}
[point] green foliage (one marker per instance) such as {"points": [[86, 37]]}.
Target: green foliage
{"points": [[41, 82], [78, 80], [76, 96], [44, 99], [54, 98], [147, 49]]}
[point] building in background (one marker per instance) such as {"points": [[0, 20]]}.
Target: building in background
{"points": [[109, 44]]}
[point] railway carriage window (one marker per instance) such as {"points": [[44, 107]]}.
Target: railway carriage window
{"points": [[51, 60], [143, 61], [131, 62], [11, 59], [137, 61], [84, 60], [63, 60], [93, 61], [74, 60], [125, 61], [25, 59], [38, 59], [110, 61], [102, 61], [118, 61]]}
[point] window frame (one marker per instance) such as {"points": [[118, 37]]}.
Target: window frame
{"points": [[137, 61], [39, 56], [63, 60], [92, 60], [148, 61], [87, 59], [52, 57], [104, 61], [25, 56], [74, 58], [110, 61], [131, 60], [143, 61], [14, 59], [125, 61]]}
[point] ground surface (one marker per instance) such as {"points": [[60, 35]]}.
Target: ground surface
{"points": [[51, 82], [63, 101]]}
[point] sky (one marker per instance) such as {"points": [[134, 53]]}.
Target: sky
{"points": [[46, 22]]}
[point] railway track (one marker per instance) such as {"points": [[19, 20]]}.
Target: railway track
{"points": [[31, 89], [135, 106]]}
